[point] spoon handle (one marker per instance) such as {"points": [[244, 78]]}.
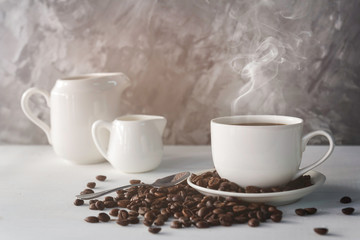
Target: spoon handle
{"points": [[99, 194]]}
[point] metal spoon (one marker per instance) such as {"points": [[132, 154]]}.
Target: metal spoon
{"points": [[161, 182]]}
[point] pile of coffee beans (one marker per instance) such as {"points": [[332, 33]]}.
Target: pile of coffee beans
{"points": [[185, 207], [180, 204], [212, 180]]}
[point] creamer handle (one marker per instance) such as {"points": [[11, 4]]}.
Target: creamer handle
{"points": [[97, 125]]}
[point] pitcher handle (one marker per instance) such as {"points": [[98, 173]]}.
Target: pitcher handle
{"points": [[305, 140], [29, 114], [96, 126]]}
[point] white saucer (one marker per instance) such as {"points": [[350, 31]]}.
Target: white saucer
{"points": [[273, 198]]}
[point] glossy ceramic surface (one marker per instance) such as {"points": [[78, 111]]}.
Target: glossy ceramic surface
{"points": [[75, 103], [274, 198], [261, 156], [135, 143]]}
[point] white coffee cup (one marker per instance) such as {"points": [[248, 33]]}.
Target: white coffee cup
{"points": [[261, 155], [135, 143]]}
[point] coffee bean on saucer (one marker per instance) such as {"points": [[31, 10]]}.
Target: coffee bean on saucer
{"points": [[348, 211], [101, 178], [154, 229], [103, 217], [92, 219], [300, 212], [78, 202], [310, 211], [252, 189], [345, 199], [321, 231], [91, 184]]}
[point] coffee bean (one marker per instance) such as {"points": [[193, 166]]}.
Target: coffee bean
{"points": [[92, 219], [78, 202], [239, 208], [147, 222], [86, 191], [187, 212], [123, 222], [150, 215], [154, 229], [225, 220], [159, 222], [253, 222], [252, 189], [103, 217], [348, 210], [202, 224], [300, 212], [101, 177], [133, 213], [346, 199], [260, 216], [178, 214], [310, 210], [114, 212], [123, 214], [176, 224], [93, 206], [110, 204], [203, 211], [276, 217], [134, 181], [93, 201], [91, 184], [321, 231], [100, 205], [123, 203], [109, 198], [133, 220], [272, 209]]}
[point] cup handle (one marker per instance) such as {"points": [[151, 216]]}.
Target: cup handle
{"points": [[97, 125], [305, 140], [29, 114]]}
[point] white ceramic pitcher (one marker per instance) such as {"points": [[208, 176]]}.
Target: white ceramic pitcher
{"points": [[75, 103], [135, 143]]}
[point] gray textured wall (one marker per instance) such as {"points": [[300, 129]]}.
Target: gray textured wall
{"points": [[189, 60]]}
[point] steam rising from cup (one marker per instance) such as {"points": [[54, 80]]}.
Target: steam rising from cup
{"points": [[270, 41]]}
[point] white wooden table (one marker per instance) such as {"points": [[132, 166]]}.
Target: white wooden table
{"points": [[37, 191]]}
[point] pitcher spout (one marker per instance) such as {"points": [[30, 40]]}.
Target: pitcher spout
{"points": [[160, 123], [121, 80]]}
